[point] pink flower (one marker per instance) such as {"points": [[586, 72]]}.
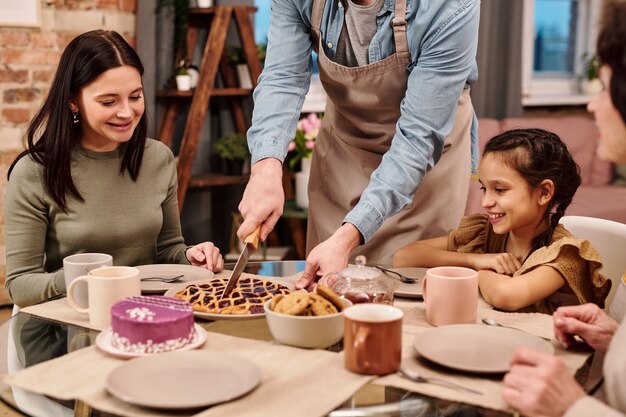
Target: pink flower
{"points": [[304, 141]]}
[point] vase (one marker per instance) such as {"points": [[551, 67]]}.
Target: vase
{"points": [[245, 81], [183, 82], [591, 87], [302, 183]]}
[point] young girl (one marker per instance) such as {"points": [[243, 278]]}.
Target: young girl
{"points": [[90, 180], [524, 257]]}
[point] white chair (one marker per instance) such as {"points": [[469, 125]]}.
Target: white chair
{"points": [[609, 238]]}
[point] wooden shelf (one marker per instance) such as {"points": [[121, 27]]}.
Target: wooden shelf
{"points": [[216, 21], [216, 180]]}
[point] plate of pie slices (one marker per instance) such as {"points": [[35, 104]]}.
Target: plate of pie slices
{"points": [[103, 342], [245, 302], [188, 272], [183, 380]]}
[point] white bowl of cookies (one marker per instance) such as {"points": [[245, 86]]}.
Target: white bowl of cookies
{"points": [[308, 320]]}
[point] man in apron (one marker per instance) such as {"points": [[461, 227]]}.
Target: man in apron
{"points": [[397, 76]]}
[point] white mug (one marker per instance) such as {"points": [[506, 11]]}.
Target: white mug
{"points": [[80, 264], [105, 286]]}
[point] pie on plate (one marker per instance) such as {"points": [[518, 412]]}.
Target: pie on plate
{"points": [[247, 297]]}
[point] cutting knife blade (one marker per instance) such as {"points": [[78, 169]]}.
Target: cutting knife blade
{"points": [[251, 242]]}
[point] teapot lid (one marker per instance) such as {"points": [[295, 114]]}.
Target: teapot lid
{"points": [[360, 270]]}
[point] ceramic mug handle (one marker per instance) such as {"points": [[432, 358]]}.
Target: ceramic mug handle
{"points": [[424, 288], [359, 347], [70, 295]]}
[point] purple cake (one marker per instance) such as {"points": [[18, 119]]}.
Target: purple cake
{"points": [[151, 324]]}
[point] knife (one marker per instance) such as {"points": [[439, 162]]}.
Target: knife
{"points": [[251, 242]]}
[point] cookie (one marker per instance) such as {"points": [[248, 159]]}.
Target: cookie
{"points": [[275, 301], [294, 304], [321, 306], [330, 295]]}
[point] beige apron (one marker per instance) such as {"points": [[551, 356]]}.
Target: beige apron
{"points": [[358, 126]]}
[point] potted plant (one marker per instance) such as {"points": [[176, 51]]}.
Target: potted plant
{"points": [[183, 78], [591, 83], [238, 58], [232, 148]]}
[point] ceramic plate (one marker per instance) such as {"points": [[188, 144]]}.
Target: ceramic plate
{"points": [[189, 272], [180, 380], [408, 290], [103, 341], [475, 347], [211, 316]]}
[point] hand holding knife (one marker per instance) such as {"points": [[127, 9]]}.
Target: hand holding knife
{"points": [[251, 242]]}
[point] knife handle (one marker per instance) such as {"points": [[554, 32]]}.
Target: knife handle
{"points": [[253, 238]]}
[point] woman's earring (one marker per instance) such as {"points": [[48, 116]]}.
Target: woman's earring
{"points": [[75, 118]]}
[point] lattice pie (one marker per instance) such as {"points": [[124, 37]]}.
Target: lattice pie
{"points": [[246, 298]]}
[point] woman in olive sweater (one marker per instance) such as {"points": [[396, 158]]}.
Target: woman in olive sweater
{"points": [[90, 180]]}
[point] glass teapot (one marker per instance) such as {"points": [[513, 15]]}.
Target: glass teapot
{"points": [[363, 284]]}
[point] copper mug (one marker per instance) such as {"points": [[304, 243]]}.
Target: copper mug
{"points": [[372, 338]]}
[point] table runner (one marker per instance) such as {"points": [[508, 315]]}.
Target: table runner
{"points": [[295, 382], [59, 309], [491, 386]]}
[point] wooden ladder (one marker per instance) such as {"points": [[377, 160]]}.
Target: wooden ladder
{"points": [[217, 19]]}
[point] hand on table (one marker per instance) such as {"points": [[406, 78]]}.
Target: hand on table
{"points": [[539, 384], [502, 263], [263, 199], [588, 321], [205, 255], [332, 255]]}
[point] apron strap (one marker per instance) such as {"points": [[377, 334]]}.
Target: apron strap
{"points": [[399, 27], [316, 21]]}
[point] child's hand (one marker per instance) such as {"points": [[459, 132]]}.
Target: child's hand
{"points": [[502, 263]]}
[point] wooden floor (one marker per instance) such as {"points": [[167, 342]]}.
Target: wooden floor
{"points": [[5, 411]]}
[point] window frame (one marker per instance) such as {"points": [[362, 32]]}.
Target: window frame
{"points": [[555, 89]]}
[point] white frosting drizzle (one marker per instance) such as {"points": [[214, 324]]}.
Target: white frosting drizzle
{"points": [[141, 313]]}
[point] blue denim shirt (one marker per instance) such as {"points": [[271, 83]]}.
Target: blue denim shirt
{"points": [[442, 37]]}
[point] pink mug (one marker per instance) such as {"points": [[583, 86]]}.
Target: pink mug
{"points": [[451, 295]]}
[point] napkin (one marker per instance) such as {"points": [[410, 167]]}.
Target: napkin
{"points": [[490, 385], [295, 382]]}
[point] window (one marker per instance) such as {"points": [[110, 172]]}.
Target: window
{"points": [[261, 20], [557, 34], [316, 98]]}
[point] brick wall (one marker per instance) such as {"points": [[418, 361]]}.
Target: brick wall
{"points": [[28, 60]]}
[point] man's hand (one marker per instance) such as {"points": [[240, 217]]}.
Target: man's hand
{"points": [[263, 199], [332, 255], [502, 263], [588, 321], [539, 385]]}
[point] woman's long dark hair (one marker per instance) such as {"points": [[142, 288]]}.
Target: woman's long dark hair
{"points": [[611, 49], [539, 155], [52, 135]]}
